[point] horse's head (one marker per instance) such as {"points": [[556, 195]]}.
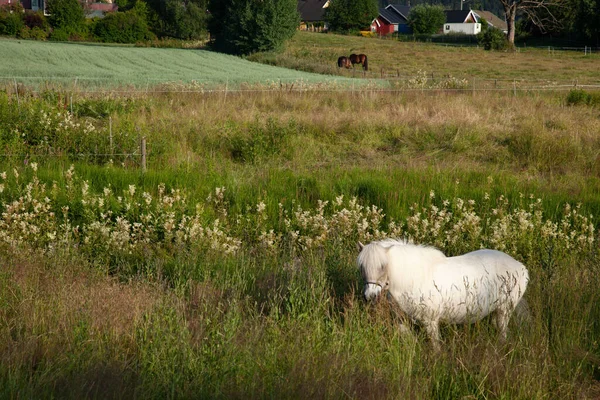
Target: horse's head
{"points": [[372, 262]]}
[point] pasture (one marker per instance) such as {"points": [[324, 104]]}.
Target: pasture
{"points": [[228, 268]]}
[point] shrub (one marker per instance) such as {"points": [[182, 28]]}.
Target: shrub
{"points": [[492, 39], [579, 96], [66, 15], [177, 19], [33, 33], [11, 21], [350, 15], [426, 18], [245, 27], [124, 27], [36, 19]]}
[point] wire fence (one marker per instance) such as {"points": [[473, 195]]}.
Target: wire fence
{"points": [[384, 80]]}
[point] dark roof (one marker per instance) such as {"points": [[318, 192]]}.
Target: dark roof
{"points": [[311, 10], [492, 19], [456, 16], [391, 17], [402, 10]]}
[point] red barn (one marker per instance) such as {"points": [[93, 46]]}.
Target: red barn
{"points": [[393, 18]]}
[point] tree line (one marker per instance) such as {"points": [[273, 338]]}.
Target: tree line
{"points": [[248, 26], [233, 26]]}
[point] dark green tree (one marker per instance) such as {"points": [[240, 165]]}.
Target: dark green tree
{"points": [[66, 15], [426, 19], [249, 26], [178, 19], [351, 15], [11, 19], [587, 21], [124, 27]]}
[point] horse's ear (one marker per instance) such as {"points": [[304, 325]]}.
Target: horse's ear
{"points": [[359, 246]]}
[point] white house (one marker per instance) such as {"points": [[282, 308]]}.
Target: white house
{"points": [[462, 21]]}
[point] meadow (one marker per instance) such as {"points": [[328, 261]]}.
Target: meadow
{"points": [[228, 268]]}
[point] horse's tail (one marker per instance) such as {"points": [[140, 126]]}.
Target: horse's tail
{"points": [[366, 63]]}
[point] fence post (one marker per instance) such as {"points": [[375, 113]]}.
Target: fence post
{"points": [[110, 137], [17, 93], [143, 151]]}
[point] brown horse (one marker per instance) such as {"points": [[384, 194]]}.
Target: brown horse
{"points": [[360, 59], [344, 62]]}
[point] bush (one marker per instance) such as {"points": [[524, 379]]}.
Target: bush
{"points": [[492, 39], [581, 97], [350, 16], [33, 33], [124, 27], [249, 26], [426, 18], [66, 15], [11, 21], [177, 19]]}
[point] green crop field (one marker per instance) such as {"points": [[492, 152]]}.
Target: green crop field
{"points": [[34, 62]]}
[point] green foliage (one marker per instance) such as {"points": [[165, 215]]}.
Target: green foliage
{"points": [[124, 27], [426, 18], [492, 39], [11, 21], [351, 15], [249, 26], [587, 20], [582, 97], [178, 19], [67, 16]]}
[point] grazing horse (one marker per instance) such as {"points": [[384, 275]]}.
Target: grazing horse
{"points": [[360, 59], [432, 288], [344, 62]]}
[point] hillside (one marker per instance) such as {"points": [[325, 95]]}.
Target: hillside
{"points": [[318, 52]]}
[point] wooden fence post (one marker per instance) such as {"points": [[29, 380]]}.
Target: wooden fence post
{"points": [[143, 151], [110, 137], [17, 93]]}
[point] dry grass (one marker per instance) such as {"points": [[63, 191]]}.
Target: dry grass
{"points": [[319, 52]]}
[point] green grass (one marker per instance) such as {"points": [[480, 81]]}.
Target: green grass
{"points": [[73, 64], [88, 309]]}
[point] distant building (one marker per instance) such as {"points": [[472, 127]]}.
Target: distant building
{"points": [[311, 14], [462, 21], [391, 19], [492, 20]]}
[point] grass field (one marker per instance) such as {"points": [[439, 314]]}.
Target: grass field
{"points": [[318, 52], [92, 64], [227, 269]]}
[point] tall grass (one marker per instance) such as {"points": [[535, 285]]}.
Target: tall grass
{"points": [[227, 270]]}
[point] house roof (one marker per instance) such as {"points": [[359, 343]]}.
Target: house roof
{"points": [[312, 10], [458, 16], [390, 16], [403, 11], [492, 19]]}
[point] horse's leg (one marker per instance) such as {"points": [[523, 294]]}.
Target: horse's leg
{"points": [[501, 318], [433, 331]]}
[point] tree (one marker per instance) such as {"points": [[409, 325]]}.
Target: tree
{"points": [[178, 19], [426, 18], [249, 26], [125, 27], [66, 15], [541, 13], [587, 21], [351, 15]]}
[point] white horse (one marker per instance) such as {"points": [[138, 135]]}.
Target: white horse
{"points": [[432, 288]]}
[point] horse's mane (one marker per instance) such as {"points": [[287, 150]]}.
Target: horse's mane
{"points": [[374, 254]]}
